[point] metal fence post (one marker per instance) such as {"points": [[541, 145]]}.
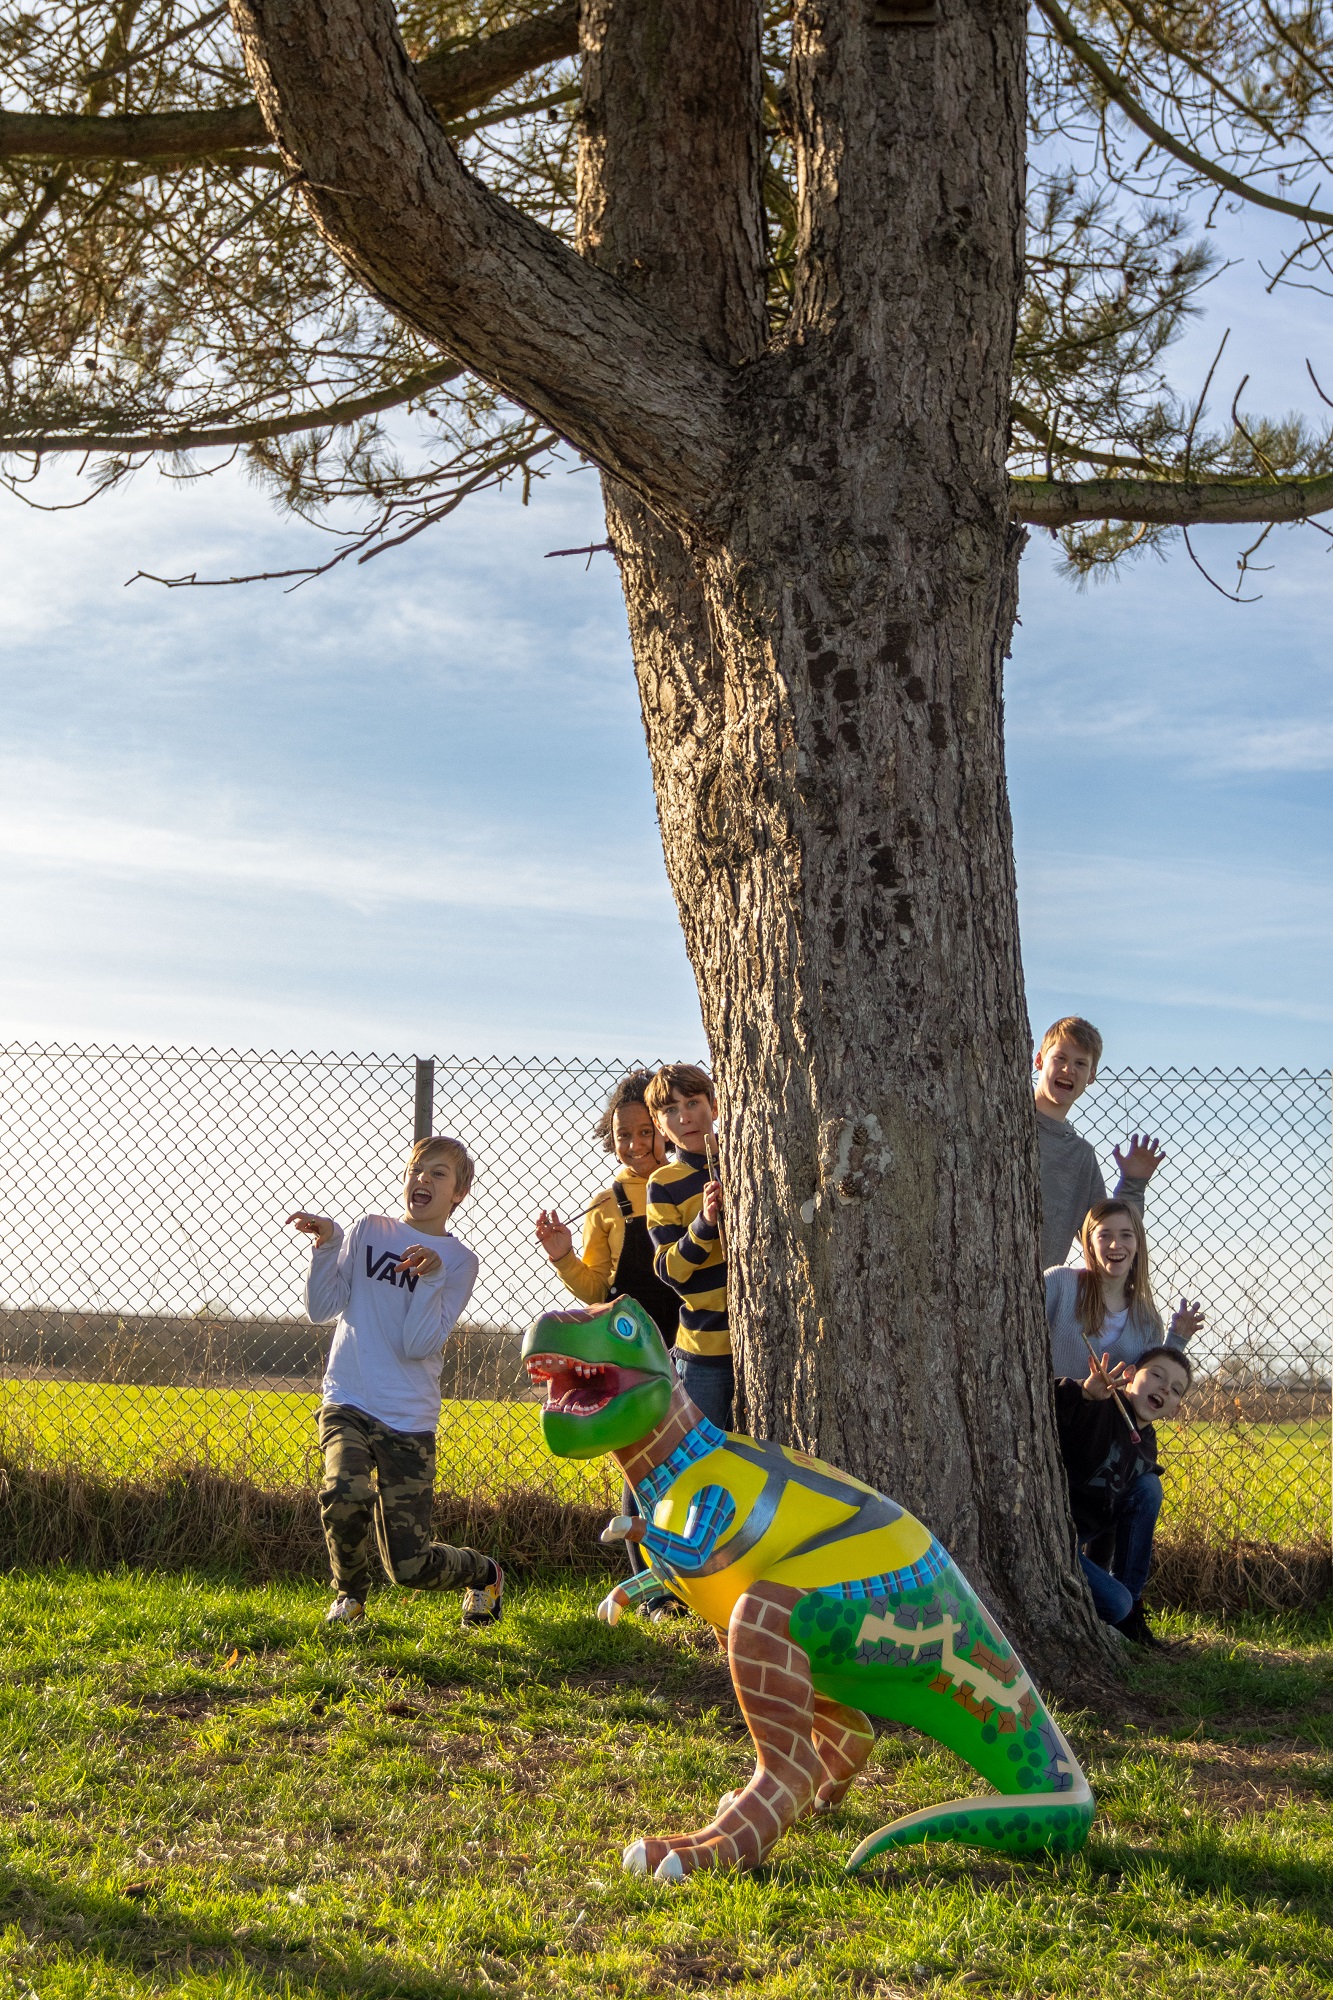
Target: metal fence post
{"points": [[423, 1120]]}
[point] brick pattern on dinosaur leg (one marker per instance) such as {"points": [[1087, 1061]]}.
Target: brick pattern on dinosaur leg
{"points": [[844, 1740], [772, 1680]]}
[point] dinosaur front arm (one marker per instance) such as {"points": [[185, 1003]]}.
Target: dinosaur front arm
{"points": [[629, 1594], [712, 1512]]}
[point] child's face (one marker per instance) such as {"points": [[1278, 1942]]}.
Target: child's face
{"points": [[1064, 1073], [1155, 1393], [430, 1195], [687, 1121], [637, 1142], [1114, 1246]]}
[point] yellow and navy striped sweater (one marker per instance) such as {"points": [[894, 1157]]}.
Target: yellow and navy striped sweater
{"points": [[688, 1253]]}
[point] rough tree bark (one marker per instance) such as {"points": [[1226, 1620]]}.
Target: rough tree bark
{"points": [[819, 566]]}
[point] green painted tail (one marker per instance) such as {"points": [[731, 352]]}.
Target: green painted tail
{"points": [[1047, 1823], [922, 1651]]}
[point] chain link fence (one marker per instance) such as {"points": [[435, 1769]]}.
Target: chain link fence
{"points": [[151, 1297]]}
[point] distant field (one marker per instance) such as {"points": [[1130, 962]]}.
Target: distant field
{"points": [[264, 1436], [1266, 1482]]}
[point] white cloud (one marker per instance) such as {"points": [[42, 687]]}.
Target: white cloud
{"points": [[483, 871]]}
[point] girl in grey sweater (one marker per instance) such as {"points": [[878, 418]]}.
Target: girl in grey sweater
{"points": [[1111, 1302]]}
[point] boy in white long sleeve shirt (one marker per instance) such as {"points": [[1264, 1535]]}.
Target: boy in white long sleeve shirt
{"points": [[396, 1287]]}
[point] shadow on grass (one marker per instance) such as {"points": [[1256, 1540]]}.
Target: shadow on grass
{"points": [[91, 1928], [1201, 1865], [1245, 1676]]}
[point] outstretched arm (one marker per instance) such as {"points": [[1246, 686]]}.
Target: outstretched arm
{"points": [[628, 1595], [588, 1276], [712, 1512], [328, 1285]]}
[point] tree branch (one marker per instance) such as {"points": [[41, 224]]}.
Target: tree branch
{"points": [[1119, 93], [453, 81], [563, 339], [1039, 428], [1174, 503], [201, 437]]}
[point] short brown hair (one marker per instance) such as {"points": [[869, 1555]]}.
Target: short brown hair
{"points": [[446, 1148], [1073, 1028], [687, 1078]]}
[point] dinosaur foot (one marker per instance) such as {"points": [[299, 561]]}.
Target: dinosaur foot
{"points": [[653, 1857], [673, 1860]]}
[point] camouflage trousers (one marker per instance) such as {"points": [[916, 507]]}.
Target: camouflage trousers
{"points": [[382, 1480]]}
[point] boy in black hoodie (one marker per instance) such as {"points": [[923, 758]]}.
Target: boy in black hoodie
{"points": [[1114, 1488]]}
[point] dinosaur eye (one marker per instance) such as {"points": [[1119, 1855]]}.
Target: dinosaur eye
{"points": [[624, 1326]]}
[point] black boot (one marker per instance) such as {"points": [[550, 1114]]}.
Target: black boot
{"points": [[1137, 1630]]}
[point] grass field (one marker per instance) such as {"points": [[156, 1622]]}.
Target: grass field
{"points": [[267, 1437], [1262, 1481], [203, 1794]]}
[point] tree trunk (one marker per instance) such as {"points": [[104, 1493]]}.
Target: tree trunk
{"points": [[820, 570], [822, 697]]}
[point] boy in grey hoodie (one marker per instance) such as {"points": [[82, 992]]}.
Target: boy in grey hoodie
{"points": [[1071, 1179]]}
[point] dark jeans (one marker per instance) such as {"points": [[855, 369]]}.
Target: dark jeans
{"points": [[709, 1381], [1117, 1590]]}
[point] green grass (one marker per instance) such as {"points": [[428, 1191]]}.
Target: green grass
{"points": [[266, 1436], [1265, 1482], [204, 1794]]}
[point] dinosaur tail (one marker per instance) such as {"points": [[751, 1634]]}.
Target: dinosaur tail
{"points": [[1036, 1823]]}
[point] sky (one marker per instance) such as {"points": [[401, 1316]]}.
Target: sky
{"points": [[407, 807]]}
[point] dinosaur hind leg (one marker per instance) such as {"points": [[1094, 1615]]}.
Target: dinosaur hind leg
{"points": [[772, 1681], [929, 1654], [844, 1740]]}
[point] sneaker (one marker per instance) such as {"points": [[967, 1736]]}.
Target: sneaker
{"points": [[345, 1610], [483, 1604], [1138, 1631]]}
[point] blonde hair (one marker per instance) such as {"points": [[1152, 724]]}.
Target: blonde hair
{"points": [[1073, 1028], [1090, 1305], [687, 1078], [453, 1150]]}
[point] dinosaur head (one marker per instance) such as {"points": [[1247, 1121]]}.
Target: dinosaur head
{"points": [[607, 1375]]}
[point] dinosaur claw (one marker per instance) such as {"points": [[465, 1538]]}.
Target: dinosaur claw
{"points": [[669, 1868], [634, 1860]]}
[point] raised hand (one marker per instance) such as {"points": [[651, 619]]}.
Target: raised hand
{"points": [[1186, 1319], [711, 1207], [321, 1227], [1103, 1379], [1141, 1158], [417, 1258], [553, 1236]]}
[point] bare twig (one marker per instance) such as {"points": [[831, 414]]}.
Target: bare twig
{"points": [[1232, 597], [136, 56], [1120, 94], [1203, 397]]}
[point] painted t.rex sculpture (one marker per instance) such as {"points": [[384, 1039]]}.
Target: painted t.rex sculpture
{"points": [[837, 1605]]}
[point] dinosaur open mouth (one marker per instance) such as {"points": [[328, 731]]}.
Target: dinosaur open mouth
{"points": [[580, 1388]]}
